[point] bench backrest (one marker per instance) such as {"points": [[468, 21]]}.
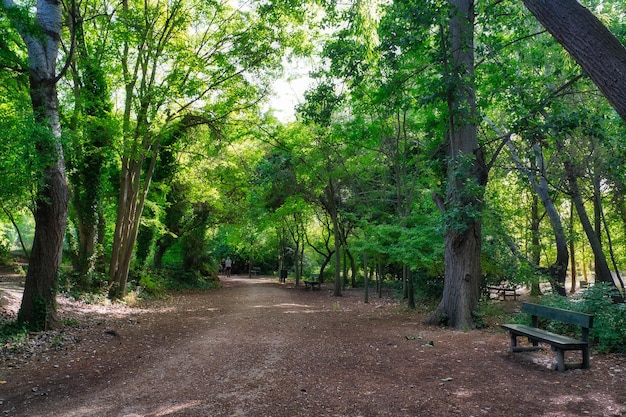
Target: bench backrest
{"points": [[566, 316]]}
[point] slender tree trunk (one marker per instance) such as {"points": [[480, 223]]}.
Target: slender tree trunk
{"points": [[366, 279], [337, 291], [603, 272], [535, 288], [597, 205], [329, 202], [571, 249], [353, 269], [39, 300], [558, 270], [590, 43], [411, 290], [131, 201], [583, 262], [462, 241], [379, 279], [345, 267]]}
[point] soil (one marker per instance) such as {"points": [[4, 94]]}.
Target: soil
{"points": [[255, 347]]}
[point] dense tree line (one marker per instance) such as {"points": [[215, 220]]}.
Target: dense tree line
{"points": [[444, 144]]}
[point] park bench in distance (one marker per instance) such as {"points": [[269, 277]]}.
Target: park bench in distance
{"points": [[312, 282], [559, 343], [504, 290]]}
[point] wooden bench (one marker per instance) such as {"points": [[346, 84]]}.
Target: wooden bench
{"points": [[255, 271], [559, 343], [504, 291], [312, 282]]}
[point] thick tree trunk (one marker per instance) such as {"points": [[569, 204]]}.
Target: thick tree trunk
{"points": [[39, 300], [589, 42], [463, 239]]}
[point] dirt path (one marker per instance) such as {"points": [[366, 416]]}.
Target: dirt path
{"points": [[258, 348]]}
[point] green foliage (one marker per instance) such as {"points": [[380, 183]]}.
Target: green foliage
{"points": [[13, 333], [489, 311], [427, 287], [608, 333], [90, 287], [152, 285], [5, 251]]}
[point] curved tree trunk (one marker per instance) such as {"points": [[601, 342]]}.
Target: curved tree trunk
{"points": [[589, 42], [558, 270]]}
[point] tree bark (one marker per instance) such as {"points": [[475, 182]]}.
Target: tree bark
{"points": [[93, 102], [589, 42], [558, 270], [38, 306], [603, 272], [535, 250], [467, 176], [572, 252]]}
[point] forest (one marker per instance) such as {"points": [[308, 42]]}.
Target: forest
{"points": [[440, 147]]}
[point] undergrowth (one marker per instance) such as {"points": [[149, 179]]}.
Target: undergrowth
{"points": [[609, 323]]}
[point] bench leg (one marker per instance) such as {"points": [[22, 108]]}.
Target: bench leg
{"points": [[560, 360], [513, 342], [586, 358]]}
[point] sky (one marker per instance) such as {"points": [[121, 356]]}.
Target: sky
{"points": [[289, 90]]}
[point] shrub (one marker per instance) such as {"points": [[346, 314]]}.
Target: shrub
{"points": [[609, 321]]}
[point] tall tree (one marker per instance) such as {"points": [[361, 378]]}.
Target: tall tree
{"points": [[93, 134], [42, 36], [467, 176], [219, 60]]}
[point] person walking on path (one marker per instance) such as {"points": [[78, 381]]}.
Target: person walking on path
{"points": [[228, 264]]}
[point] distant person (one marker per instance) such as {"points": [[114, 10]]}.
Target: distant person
{"points": [[222, 266], [228, 264]]}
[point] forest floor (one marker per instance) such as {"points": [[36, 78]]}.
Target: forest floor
{"points": [[255, 347]]}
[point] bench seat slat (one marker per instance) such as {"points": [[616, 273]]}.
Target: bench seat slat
{"points": [[558, 340]]}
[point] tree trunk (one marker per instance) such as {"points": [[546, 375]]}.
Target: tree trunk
{"points": [[589, 42], [603, 272], [353, 269], [535, 254], [366, 279], [411, 289], [131, 201], [572, 252], [462, 239], [92, 120], [337, 291], [39, 300], [558, 270]]}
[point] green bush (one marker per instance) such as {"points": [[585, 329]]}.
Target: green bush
{"points": [[153, 285], [609, 323], [427, 287], [13, 332], [90, 288]]}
